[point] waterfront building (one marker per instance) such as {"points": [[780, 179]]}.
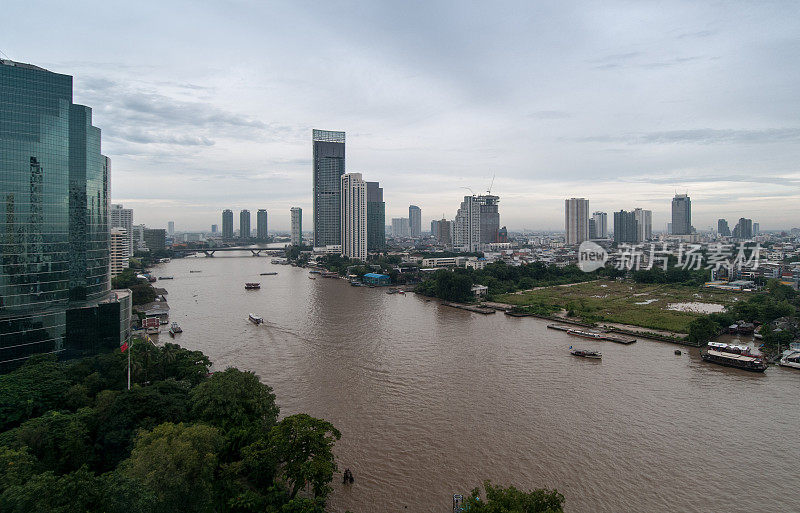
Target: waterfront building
{"points": [[261, 224], [600, 225], [155, 239], [171, 228], [400, 227], [122, 218], [681, 215], [244, 224], [626, 227], [644, 224], [376, 217], [297, 226], [380, 280], [328, 168], [415, 221], [723, 229], [576, 220], [227, 224], [120, 251], [354, 216], [55, 288]]}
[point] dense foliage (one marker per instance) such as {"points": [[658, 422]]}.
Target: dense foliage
{"points": [[512, 500], [75, 439], [142, 291]]}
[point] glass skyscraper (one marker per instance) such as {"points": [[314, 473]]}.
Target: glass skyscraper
{"points": [[376, 217], [328, 171], [681, 215], [54, 224]]}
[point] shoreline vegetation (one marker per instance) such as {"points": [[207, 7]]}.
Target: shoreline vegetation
{"points": [[74, 438]]}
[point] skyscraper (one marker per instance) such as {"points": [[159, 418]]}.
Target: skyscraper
{"points": [[171, 228], [376, 217], [354, 216], [400, 227], [123, 218], [261, 224], [756, 229], [297, 226], [214, 228], [477, 222], [743, 229], [576, 220], [592, 229], [723, 229], [600, 225], [120, 251], [442, 231], [681, 215], [244, 224], [415, 221], [644, 224], [227, 224], [328, 162], [625, 227], [55, 289]]}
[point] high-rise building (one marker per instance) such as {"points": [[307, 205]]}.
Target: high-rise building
{"points": [[376, 217], [756, 229], [354, 216], [441, 230], [227, 224], [592, 229], [400, 227], [600, 225], [123, 218], [155, 239], [55, 288], [244, 224], [415, 221], [681, 215], [743, 229], [297, 226], [644, 224], [171, 228], [328, 162], [576, 220], [261, 224], [723, 229], [626, 227], [477, 222], [502, 235], [214, 228], [138, 238], [120, 251]]}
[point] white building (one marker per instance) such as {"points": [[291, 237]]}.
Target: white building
{"points": [[297, 226], [354, 216], [600, 225], [120, 251], [401, 227], [576, 220], [171, 228], [123, 218], [644, 224]]}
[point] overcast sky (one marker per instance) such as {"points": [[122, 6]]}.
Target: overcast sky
{"points": [[210, 105]]}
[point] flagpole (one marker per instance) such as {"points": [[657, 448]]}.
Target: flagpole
{"points": [[129, 368]]}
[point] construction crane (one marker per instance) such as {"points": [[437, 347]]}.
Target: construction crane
{"points": [[489, 190]]}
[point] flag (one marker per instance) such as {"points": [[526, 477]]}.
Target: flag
{"points": [[123, 347]]}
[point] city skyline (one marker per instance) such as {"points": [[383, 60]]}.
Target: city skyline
{"points": [[231, 130]]}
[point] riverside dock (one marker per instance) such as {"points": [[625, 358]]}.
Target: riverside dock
{"points": [[604, 335], [472, 308]]}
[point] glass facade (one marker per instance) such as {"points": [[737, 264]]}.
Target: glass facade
{"points": [[54, 196], [328, 171], [376, 217]]}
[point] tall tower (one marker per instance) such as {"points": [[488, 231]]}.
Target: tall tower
{"points": [[227, 224], [376, 217], [415, 221], [600, 224], [644, 224], [576, 220], [244, 224], [354, 216], [328, 169], [123, 218], [681, 215], [297, 226], [261, 224]]}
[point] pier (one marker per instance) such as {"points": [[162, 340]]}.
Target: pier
{"points": [[605, 334]]}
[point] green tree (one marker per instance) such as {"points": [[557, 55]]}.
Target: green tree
{"points": [[512, 500], [76, 491], [304, 447], [31, 390], [177, 463], [702, 329]]}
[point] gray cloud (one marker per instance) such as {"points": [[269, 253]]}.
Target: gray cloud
{"points": [[702, 136]]}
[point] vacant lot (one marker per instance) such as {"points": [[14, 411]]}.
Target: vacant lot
{"points": [[625, 302]]}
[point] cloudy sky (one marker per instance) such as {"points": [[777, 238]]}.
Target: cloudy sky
{"points": [[210, 105]]}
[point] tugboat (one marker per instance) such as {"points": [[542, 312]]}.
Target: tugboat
{"points": [[174, 329], [252, 286], [585, 334], [586, 353], [255, 319], [730, 355]]}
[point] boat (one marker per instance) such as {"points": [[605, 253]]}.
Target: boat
{"points": [[195, 271], [791, 357], [268, 274], [252, 286], [314, 271], [401, 291], [391, 291], [356, 284], [678, 352], [174, 329], [165, 278], [731, 355], [586, 353], [255, 319], [586, 334], [311, 278]]}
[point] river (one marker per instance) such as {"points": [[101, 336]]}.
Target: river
{"points": [[432, 400]]}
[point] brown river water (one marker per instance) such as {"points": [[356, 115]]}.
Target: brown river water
{"points": [[432, 400]]}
